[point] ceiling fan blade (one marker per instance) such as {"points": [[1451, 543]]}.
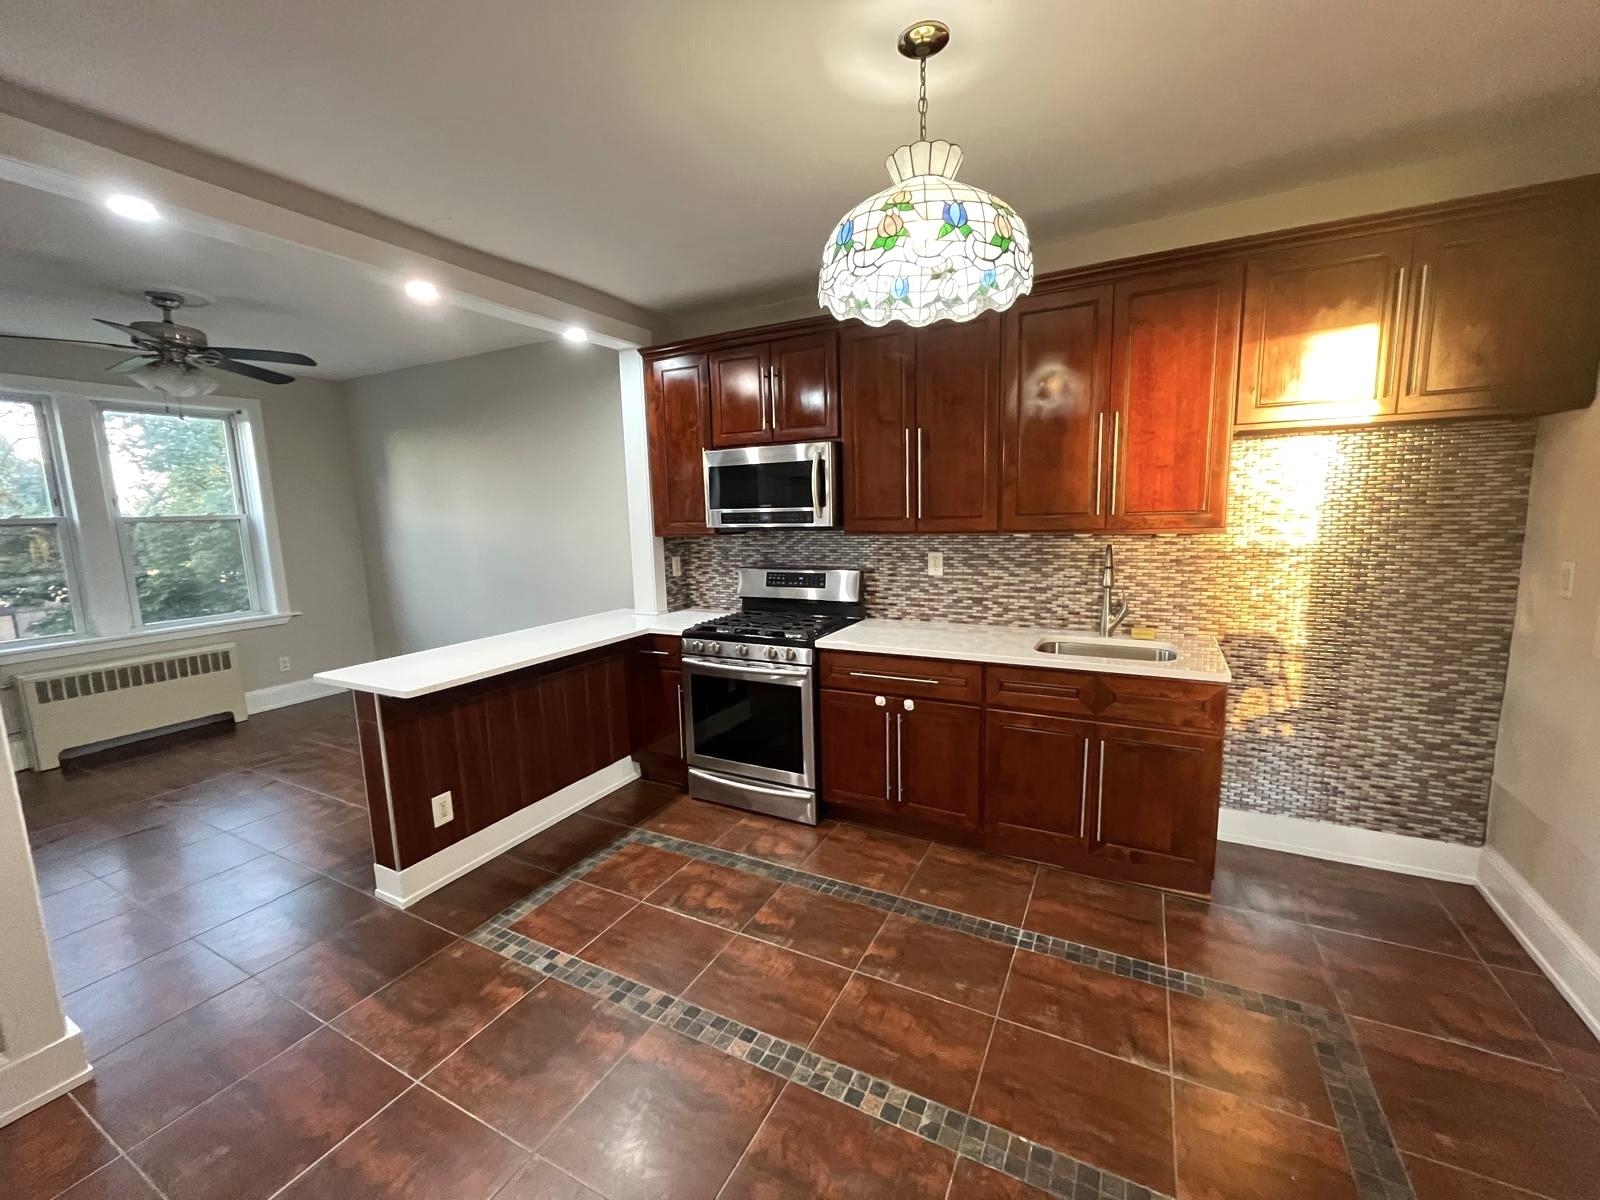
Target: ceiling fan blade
{"points": [[130, 364], [137, 335], [277, 356], [23, 337], [245, 369]]}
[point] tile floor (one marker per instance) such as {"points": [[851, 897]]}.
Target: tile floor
{"points": [[659, 998]]}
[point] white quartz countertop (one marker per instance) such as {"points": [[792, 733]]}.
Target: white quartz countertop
{"points": [[1199, 657], [410, 675]]}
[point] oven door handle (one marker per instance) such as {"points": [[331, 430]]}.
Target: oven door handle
{"points": [[788, 676]]}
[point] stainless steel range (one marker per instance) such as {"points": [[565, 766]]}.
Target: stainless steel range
{"points": [[749, 689]]}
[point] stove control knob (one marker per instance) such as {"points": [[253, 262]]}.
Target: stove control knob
{"points": [[790, 655], [772, 652], [694, 647], [713, 647], [742, 651]]}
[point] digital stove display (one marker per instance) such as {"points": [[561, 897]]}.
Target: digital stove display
{"points": [[797, 579]]}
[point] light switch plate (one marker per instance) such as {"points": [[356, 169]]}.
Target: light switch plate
{"points": [[444, 809], [1569, 574], [677, 566], [935, 562]]}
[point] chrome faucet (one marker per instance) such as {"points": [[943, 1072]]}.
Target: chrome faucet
{"points": [[1110, 617]]}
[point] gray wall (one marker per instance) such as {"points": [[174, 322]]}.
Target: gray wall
{"points": [[308, 454], [492, 493]]}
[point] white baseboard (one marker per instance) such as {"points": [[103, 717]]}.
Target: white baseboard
{"points": [[34, 1080], [1349, 844], [281, 695], [404, 888], [1571, 964]]}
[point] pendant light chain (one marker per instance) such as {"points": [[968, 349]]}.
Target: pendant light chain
{"points": [[922, 100]]}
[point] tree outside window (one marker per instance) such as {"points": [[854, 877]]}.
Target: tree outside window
{"points": [[35, 590]]}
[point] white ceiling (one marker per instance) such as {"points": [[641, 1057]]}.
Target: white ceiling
{"points": [[64, 262], [670, 152]]}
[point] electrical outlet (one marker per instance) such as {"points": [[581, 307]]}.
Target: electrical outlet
{"points": [[1595, 649], [444, 810], [1569, 574], [283, 663], [935, 562], [677, 566]]}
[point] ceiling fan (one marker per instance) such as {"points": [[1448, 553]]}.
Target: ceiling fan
{"points": [[176, 359]]}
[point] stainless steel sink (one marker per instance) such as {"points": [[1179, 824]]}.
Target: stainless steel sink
{"points": [[1109, 648]]}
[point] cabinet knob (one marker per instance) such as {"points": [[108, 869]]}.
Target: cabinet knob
{"points": [[911, 705], [880, 701]]}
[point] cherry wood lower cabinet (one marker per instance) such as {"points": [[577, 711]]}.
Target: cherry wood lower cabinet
{"points": [[655, 709], [1112, 775]]}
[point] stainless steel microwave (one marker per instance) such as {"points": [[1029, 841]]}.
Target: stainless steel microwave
{"points": [[773, 487]]}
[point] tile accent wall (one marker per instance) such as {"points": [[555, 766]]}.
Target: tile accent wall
{"points": [[1363, 593]]}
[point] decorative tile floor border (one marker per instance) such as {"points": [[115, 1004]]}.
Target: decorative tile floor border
{"points": [[1375, 1163]]}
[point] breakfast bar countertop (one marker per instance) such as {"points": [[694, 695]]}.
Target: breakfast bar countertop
{"points": [[1198, 657]]}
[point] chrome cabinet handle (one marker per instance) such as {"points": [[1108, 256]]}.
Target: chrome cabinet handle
{"points": [[1099, 456], [899, 760], [1417, 329], [680, 721], [888, 771], [1399, 311], [663, 653], [1100, 793], [919, 472], [893, 678], [772, 397], [1116, 444], [1083, 794], [908, 473]]}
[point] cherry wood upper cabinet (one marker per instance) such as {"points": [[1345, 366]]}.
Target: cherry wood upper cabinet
{"points": [[784, 390], [739, 386], [1175, 349], [877, 390], [1322, 331], [677, 416], [1505, 315], [956, 444], [1055, 373]]}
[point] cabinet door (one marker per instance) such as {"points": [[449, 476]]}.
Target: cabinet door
{"points": [[655, 723], [739, 390], [877, 373], [805, 387], [858, 749], [1506, 316], [957, 437], [1055, 375], [1036, 785], [1175, 341], [677, 415], [938, 750], [1322, 331], [1155, 804]]}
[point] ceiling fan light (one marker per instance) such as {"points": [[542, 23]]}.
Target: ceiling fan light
{"points": [[176, 380]]}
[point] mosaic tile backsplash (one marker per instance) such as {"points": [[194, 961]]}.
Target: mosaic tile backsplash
{"points": [[1363, 593]]}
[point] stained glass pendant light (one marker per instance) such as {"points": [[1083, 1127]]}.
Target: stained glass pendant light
{"points": [[926, 248]]}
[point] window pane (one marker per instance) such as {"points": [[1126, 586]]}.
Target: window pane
{"points": [[188, 569], [23, 489], [34, 601], [166, 466]]}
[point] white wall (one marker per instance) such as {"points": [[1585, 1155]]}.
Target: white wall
{"points": [[492, 493], [1544, 815], [308, 450]]}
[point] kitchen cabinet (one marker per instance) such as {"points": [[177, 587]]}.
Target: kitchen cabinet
{"points": [[1036, 785], [1055, 380], [1175, 350], [655, 709], [1155, 802], [856, 739], [1506, 314], [784, 390], [1322, 330], [921, 427], [678, 422]]}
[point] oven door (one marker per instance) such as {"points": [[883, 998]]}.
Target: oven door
{"points": [[761, 487], [750, 720]]}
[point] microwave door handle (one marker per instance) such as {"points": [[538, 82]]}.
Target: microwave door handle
{"points": [[816, 484]]}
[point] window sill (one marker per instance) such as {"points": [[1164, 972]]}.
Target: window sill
{"points": [[11, 656]]}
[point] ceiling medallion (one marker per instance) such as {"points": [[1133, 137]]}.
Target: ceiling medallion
{"points": [[926, 248]]}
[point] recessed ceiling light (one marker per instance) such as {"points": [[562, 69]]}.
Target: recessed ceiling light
{"points": [[575, 333], [422, 291], [132, 208]]}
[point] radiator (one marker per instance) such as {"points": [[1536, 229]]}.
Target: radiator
{"points": [[81, 704]]}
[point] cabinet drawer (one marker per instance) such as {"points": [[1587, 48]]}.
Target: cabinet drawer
{"points": [[933, 678], [665, 650], [1123, 699]]}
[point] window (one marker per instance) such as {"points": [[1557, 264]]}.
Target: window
{"points": [[35, 585], [122, 517], [176, 486]]}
